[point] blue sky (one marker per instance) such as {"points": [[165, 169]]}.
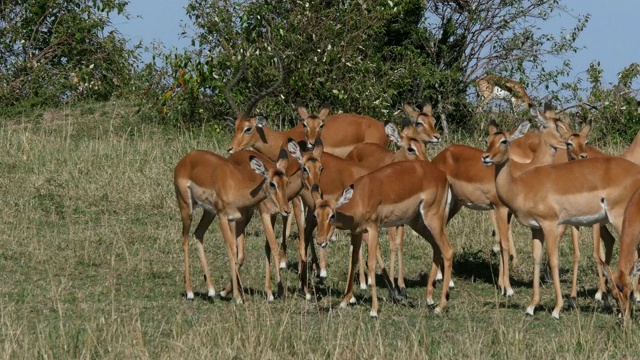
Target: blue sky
{"points": [[610, 37]]}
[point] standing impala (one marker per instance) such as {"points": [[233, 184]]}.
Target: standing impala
{"points": [[547, 198], [229, 190], [499, 87], [414, 193]]}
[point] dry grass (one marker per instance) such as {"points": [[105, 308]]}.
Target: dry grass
{"points": [[91, 267]]}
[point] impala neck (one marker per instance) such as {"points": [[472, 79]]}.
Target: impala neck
{"points": [[271, 141]]}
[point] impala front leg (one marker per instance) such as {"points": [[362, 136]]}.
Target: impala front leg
{"points": [[372, 249], [356, 243], [229, 239]]}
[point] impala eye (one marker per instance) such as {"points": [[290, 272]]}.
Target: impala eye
{"points": [[419, 124], [305, 170], [411, 150], [321, 126], [321, 170], [569, 145], [504, 142], [304, 125], [332, 218], [248, 130], [272, 185]]}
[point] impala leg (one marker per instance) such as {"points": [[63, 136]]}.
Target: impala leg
{"points": [[361, 270], [575, 240], [399, 246], [598, 258], [270, 246], [203, 225], [605, 237], [512, 246], [392, 253], [552, 237], [238, 228], [186, 217], [356, 242], [286, 230], [298, 213], [495, 231], [302, 253], [372, 251], [229, 239], [502, 222], [432, 229], [537, 240]]}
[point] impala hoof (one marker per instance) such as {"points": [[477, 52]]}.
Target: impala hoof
{"points": [[430, 301], [439, 276], [211, 293], [598, 296], [530, 310], [223, 293], [270, 298], [556, 314], [283, 265], [190, 295], [343, 305], [363, 286], [323, 273], [437, 311], [451, 284], [307, 297], [508, 292], [373, 314], [352, 300], [239, 301]]}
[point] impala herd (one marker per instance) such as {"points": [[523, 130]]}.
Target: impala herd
{"points": [[334, 171]]}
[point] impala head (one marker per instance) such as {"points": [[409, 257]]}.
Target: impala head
{"points": [[247, 127], [312, 124], [325, 213], [420, 123], [276, 181], [498, 143], [310, 162], [622, 287], [577, 144], [409, 148]]}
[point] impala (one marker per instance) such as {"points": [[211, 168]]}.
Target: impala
{"points": [[499, 87], [628, 260], [547, 198], [414, 193], [374, 156], [420, 123], [230, 191], [340, 132]]}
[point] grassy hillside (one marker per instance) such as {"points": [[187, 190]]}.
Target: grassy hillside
{"points": [[91, 267]]}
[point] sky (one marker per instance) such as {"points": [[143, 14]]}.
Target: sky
{"points": [[610, 37]]}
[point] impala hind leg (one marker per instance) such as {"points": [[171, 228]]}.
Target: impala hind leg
{"points": [[537, 241], [232, 252], [552, 233], [373, 250], [431, 227], [575, 240], [396, 236], [271, 247], [602, 235], [310, 225], [203, 225]]}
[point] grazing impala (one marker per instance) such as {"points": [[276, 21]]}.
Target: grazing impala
{"points": [[628, 260], [229, 190], [414, 193], [546, 199], [499, 87]]}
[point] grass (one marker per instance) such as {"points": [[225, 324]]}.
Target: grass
{"points": [[91, 267]]}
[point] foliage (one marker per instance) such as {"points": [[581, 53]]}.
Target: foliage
{"points": [[359, 56], [52, 51]]}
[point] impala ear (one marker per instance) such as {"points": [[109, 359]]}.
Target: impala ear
{"points": [[303, 112], [493, 127], [410, 111], [294, 150], [261, 121], [392, 132], [585, 130], [318, 149], [283, 161], [315, 193], [346, 196], [520, 131], [258, 166], [427, 108], [324, 112]]}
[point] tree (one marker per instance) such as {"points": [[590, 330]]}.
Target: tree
{"points": [[366, 56], [56, 50]]}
